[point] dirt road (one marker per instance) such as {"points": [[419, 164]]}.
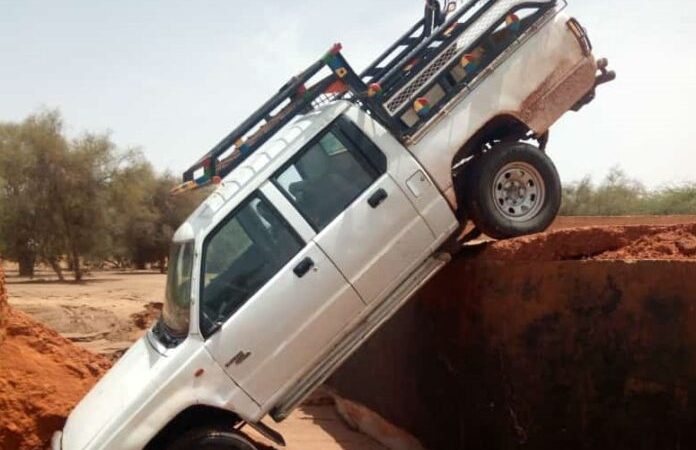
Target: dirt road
{"points": [[97, 314]]}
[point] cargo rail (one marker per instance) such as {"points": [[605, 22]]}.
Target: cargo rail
{"points": [[408, 85]]}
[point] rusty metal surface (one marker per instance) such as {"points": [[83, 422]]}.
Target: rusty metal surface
{"points": [[557, 94], [539, 355]]}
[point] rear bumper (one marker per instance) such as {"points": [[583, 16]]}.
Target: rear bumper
{"points": [[604, 76]]}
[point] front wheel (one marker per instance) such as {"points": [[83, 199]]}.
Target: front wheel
{"points": [[211, 439], [512, 190]]}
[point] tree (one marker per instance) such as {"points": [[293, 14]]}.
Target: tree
{"points": [[26, 221], [145, 215], [78, 191], [82, 201], [172, 212]]}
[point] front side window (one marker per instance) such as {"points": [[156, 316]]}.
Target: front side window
{"points": [[327, 177], [240, 256]]}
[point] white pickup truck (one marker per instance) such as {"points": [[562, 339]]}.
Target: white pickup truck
{"points": [[336, 201]]}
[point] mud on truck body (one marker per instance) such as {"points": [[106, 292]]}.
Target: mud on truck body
{"points": [[336, 201]]}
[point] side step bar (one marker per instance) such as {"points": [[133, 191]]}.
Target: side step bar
{"points": [[357, 337]]}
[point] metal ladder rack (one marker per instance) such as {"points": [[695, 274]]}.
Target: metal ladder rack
{"points": [[429, 64], [394, 86]]}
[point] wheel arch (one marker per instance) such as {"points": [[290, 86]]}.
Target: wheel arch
{"points": [[190, 418], [500, 128]]}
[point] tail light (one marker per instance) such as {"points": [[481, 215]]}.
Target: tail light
{"points": [[581, 35]]}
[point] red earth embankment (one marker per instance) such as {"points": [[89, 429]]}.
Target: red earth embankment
{"points": [[3, 305], [676, 242], [42, 376], [572, 339]]}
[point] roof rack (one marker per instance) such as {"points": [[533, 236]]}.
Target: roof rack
{"points": [[419, 61], [292, 99]]}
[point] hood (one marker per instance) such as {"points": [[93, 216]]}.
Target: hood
{"points": [[114, 396]]}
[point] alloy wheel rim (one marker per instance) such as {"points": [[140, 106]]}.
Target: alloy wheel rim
{"points": [[518, 191]]}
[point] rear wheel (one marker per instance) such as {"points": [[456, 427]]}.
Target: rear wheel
{"points": [[211, 439], [512, 190]]}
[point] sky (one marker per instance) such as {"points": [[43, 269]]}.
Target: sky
{"points": [[173, 77]]}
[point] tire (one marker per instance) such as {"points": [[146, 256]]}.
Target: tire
{"points": [[211, 439], [512, 190]]}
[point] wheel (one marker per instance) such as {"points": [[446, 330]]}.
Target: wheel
{"points": [[211, 439], [512, 190]]}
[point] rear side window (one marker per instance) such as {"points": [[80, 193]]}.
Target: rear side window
{"points": [[328, 175], [240, 256]]}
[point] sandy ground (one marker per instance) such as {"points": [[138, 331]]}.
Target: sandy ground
{"points": [[98, 315], [318, 428]]}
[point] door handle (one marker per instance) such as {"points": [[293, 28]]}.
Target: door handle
{"points": [[303, 267], [377, 198]]}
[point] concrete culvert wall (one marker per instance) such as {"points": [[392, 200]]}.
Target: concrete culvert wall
{"points": [[544, 343]]}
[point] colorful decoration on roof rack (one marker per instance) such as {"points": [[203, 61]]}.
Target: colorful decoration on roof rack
{"points": [[408, 67], [337, 87], [513, 22], [183, 187], [189, 186], [471, 62], [301, 93], [422, 107], [243, 147], [335, 62], [374, 90], [448, 32]]}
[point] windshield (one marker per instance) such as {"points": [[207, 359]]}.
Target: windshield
{"points": [[178, 298]]}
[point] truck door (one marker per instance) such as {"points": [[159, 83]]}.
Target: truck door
{"points": [[365, 223], [271, 301]]}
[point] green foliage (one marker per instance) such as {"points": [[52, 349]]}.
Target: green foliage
{"points": [[82, 200], [27, 151], [619, 195], [145, 215]]}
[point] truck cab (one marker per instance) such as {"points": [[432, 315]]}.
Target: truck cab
{"points": [[333, 204]]}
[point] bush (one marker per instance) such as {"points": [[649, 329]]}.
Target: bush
{"points": [[619, 195]]}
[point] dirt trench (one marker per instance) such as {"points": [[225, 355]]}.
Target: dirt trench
{"points": [[574, 339]]}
